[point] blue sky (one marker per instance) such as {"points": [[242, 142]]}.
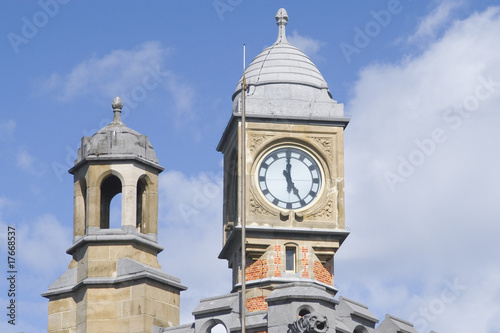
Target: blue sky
{"points": [[420, 80]]}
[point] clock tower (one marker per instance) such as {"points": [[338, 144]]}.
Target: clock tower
{"points": [[294, 174]]}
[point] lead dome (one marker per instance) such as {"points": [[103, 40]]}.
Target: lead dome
{"points": [[283, 82], [116, 141]]}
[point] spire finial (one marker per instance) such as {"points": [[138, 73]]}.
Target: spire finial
{"points": [[117, 110], [281, 21]]}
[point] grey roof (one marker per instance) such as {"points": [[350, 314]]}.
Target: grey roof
{"points": [[116, 141], [393, 324], [358, 309], [283, 82]]}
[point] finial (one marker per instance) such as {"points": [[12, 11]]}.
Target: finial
{"points": [[117, 110], [281, 21]]}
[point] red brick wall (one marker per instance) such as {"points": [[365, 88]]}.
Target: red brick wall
{"points": [[256, 304], [322, 274]]}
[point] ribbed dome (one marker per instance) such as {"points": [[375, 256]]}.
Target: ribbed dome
{"points": [[283, 63], [284, 83], [117, 142]]}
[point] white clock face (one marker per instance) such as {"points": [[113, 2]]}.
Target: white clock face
{"points": [[289, 178]]}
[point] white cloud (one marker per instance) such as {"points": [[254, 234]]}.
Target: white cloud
{"points": [[432, 24], [7, 128], [25, 161], [116, 72], [131, 74], [190, 225], [306, 44], [410, 240]]}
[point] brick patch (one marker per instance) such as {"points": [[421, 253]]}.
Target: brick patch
{"points": [[257, 270], [322, 274], [256, 304]]}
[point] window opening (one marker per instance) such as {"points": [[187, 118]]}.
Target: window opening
{"points": [[290, 258], [110, 187]]}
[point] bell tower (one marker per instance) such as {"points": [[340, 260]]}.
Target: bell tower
{"points": [[114, 282], [294, 195]]}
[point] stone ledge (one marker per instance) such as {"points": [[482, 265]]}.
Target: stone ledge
{"points": [[359, 310], [115, 157], [127, 270], [114, 236], [224, 303], [288, 281]]}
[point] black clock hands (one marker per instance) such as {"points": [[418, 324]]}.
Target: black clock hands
{"points": [[288, 176]]}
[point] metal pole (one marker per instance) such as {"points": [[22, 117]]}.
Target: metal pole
{"points": [[243, 188]]}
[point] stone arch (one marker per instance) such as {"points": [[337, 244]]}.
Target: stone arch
{"points": [[105, 175], [304, 310], [210, 324], [360, 329]]}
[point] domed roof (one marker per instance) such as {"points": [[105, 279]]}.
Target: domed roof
{"points": [[117, 142], [283, 63], [283, 82]]}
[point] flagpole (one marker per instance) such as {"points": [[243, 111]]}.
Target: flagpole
{"points": [[243, 189]]}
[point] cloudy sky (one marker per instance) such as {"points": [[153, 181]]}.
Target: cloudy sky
{"points": [[419, 79]]}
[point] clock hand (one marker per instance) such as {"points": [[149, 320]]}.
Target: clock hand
{"points": [[288, 176]]}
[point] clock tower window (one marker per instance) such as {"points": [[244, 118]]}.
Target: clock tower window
{"points": [[291, 258]]}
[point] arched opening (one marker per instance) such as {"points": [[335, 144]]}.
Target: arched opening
{"points": [[142, 206], [304, 312], [110, 187], [360, 329], [219, 328]]}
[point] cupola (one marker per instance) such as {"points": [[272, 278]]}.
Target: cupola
{"points": [[283, 82]]}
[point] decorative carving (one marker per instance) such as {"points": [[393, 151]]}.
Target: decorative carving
{"points": [[325, 143], [257, 209], [326, 211], [256, 141], [310, 323]]}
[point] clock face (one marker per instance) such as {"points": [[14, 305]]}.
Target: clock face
{"points": [[289, 178]]}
